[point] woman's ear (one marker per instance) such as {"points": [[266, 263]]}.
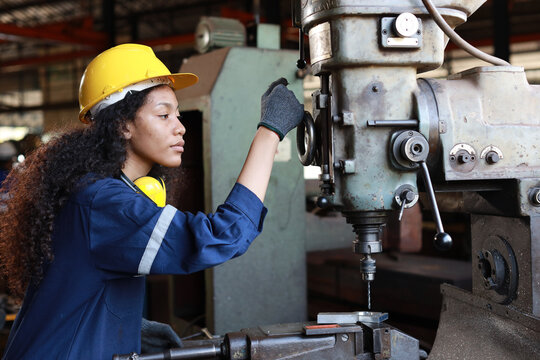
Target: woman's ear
{"points": [[126, 131]]}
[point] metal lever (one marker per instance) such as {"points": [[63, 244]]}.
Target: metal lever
{"points": [[297, 22], [442, 240], [301, 63], [407, 196], [410, 149]]}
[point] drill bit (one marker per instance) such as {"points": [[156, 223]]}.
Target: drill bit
{"points": [[369, 295]]}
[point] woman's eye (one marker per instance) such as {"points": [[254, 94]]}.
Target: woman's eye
{"points": [[164, 117]]}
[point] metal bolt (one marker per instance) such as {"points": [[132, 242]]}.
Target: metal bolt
{"points": [[344, 337], [464, 158], [534, 196], [492, 157], [417, 148]]}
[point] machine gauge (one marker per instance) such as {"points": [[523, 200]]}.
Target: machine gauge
{"points": [[406, 25]]}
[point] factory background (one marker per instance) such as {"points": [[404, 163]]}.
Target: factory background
{"points": [[303, 263]]}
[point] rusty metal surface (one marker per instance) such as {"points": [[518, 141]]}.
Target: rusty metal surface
{"points": [[474, 328]]}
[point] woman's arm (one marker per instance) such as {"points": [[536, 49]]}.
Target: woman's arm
{"points": [[256, 171], [280, 113]]}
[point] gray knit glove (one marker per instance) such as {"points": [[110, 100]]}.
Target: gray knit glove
{"points": [[280, 110], [157, 337]]}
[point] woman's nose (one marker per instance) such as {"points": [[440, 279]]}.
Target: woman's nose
{"points": [[180, 128]]}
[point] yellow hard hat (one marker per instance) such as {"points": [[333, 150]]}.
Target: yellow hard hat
{"points": [[121, 66], [153, 188]]}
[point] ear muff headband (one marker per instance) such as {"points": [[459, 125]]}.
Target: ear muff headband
{"points": [[149, 187]]}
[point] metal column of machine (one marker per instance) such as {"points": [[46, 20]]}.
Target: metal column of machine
{"points": [[369, 53]]}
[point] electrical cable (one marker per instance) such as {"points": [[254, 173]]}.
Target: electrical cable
{"points": [[458, 40]]}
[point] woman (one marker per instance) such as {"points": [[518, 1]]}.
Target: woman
{"points": [[78, 234]]}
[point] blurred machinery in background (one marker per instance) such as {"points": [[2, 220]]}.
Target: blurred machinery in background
{"points": [[375, 129]]}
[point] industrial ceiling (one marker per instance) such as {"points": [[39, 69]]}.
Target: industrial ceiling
{"points": [[36, 35]]}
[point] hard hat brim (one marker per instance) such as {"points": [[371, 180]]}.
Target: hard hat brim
{"points": [[178, 81]]}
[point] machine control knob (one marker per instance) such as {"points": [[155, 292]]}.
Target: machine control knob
{"points": [[323, 202], [406, 25], [405, 197], [492, 157], [442, 241]]}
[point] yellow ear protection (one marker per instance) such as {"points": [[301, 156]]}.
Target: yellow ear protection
{"points": [[148, 186]]}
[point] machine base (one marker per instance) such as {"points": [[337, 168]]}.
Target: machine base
{"points": [[471, 327]]}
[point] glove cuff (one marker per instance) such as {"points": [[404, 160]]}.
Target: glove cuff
{"points": [[270, 127]]}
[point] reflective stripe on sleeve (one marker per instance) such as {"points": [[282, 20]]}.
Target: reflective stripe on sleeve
{"points": [[156, 238]]}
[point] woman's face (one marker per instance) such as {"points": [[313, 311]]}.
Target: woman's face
{"points": [[155, 136]]}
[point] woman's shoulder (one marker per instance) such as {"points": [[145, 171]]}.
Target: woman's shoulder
{"points": [[91, 185]]}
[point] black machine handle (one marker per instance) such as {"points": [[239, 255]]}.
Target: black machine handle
{"points": [[305, 140], [442, 240]]}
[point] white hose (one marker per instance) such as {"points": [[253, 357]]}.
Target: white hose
{"points": [[458, 40]]}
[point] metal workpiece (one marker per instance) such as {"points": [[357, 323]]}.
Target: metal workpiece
{"points": [[351, 317]]}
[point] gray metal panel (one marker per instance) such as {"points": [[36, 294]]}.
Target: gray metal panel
{"points": [[268, 283]]}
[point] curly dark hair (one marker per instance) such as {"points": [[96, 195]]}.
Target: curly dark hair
{"points": [[41, 185]]}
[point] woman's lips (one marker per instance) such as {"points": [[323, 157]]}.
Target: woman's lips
{"points": [[179, 146]]}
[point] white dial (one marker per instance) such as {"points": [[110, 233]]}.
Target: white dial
{"points": [[406, 25]]}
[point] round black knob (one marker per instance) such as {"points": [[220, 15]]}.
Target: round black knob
{"points": [[323, 202], [301, 63], [442, 241]]}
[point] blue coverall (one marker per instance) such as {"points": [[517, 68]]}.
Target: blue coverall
{"points": [[105, 239]]}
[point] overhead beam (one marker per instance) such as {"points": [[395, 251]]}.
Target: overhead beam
{"points": [[18, 64], [55, 106], [11, 31], [28, 4]]}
